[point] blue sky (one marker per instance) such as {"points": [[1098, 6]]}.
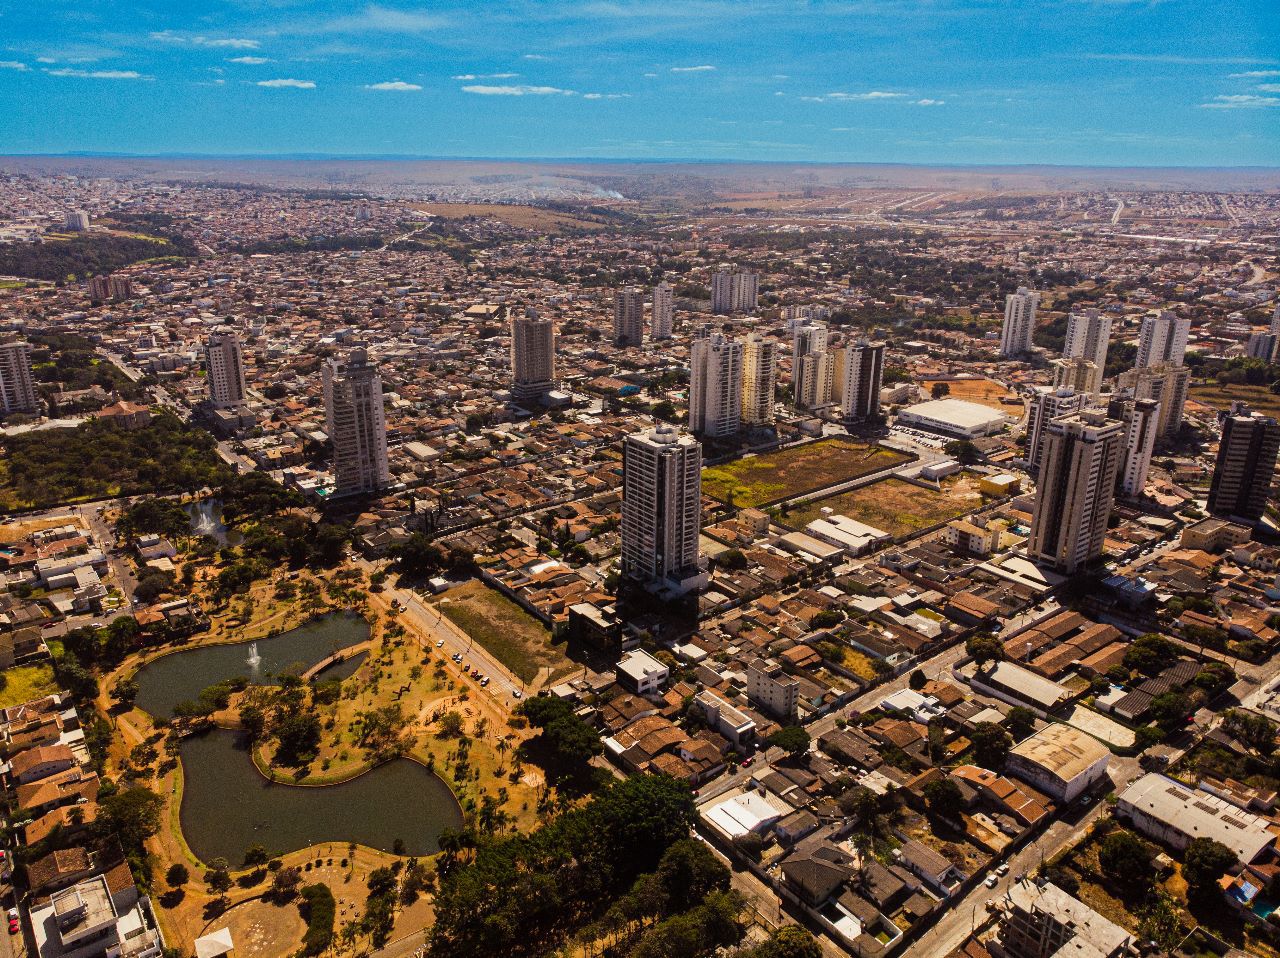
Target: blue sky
{"points": [[1108, 82]]}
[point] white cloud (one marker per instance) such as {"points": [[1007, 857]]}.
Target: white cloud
{"points": [[1174, 58], [250, 61], [698, 69], [605, 96], [484, 76], [927, 102], [46, 60], [288, 82], [1269, 87], [228, 43], [842, 97], [650, 76], [520, 90], [99, 74], [1255, 73], [378, 19], [12, 65], [1241, 101], [398, 85], [535, 56]]}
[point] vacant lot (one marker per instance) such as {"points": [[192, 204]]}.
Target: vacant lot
{"points": [[512, 635], [521, 217], [775, 476], [1259, 398], [26, 682], [984, 392], [19, 529], [895, 506]]}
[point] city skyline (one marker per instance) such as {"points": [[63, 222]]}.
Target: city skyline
{"points": [[1074, 83]]}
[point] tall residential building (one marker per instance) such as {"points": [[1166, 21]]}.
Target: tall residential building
{"points": [[663, 314], [811, 380], [17, 387], [1275, 320], [1044, 408], [358, 425], [1166, 384], [1162, 339], [1082, 375], [734, 292], [628, 317], [715, 385], [76, 220], [1019, 321], [809, 338], [533, 357], [863, 369], [662, 509], [1075, 490], [759, 375], [224, 368], [1142, 427], [1263, 346], [1246, 465], [1088, 335], [110, 288]]}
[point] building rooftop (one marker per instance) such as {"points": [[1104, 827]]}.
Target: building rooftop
{"points": [[1061, 750], [1198, 814], [957, 412]]}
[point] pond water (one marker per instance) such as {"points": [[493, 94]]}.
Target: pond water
{"points": [[227, 805], [180, 676], [206, 520]]}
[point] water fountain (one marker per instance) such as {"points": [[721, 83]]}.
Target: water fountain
{"points": [[205, 524], [254, 659]]}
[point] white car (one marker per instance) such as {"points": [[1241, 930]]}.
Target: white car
{"points": [[1003, 869], [990, 881], [440, 643], [516, 693]]}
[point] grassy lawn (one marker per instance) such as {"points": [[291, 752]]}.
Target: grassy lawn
{"points": [[895, 506], [1259, 398], [774, 476], [508, 632], [27, 682]]}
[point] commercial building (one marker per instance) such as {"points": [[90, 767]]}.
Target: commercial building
{"points": [[715, 385], [863, 369], [1019, 322], [1162, 339], [954, 417], [1061, 761], [662, 317], [1076, 489], [1082, 375], [1046, 406], [641, 673], [224, 369], [359, 426], [17, 388], [533, 357], [1167, 384], [628, 317], [1246, 465], [1088, 336], [662, 510], [734, 292], [1174, 814], [759, 376]]}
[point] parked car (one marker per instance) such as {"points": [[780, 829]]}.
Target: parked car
{"points": [[516, 693], [990, 881], [14, 927], [440, 643], [1003, 869]]}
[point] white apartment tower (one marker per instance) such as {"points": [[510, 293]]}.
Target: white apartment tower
{"points": [[17, 387], [1263, 346], [1076, 489], [1088, 335], [1019, 321], [863, 370], [1275, 320], [812, 367], [1166, 384], [715, 385], [533, 357], [1044, 408], [1162, 340], [1142, 427], [224, 368], [759, 374], [1082, 375], [663, 314], [734, 292], [358, 426], [628, 317], [662, 509]]}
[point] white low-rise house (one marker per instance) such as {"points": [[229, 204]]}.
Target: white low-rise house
{"points": [[922, 708], [726, 719], [1061, 761], [848, 534], [87, 920], [1174, 814], [640, 672], [746, 813], [60, 572]]}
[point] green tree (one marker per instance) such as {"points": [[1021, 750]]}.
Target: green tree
{"points": [[990, 745], [177, 875], [298, 738], [1257, 732], [1150, 654], [132, 814], [917, 680], [1203, 863], [1125, 861], [793, 740], [789, 941], [1020, 722], [939, 390], [944, 798], [963, 451], [984, 648]]}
